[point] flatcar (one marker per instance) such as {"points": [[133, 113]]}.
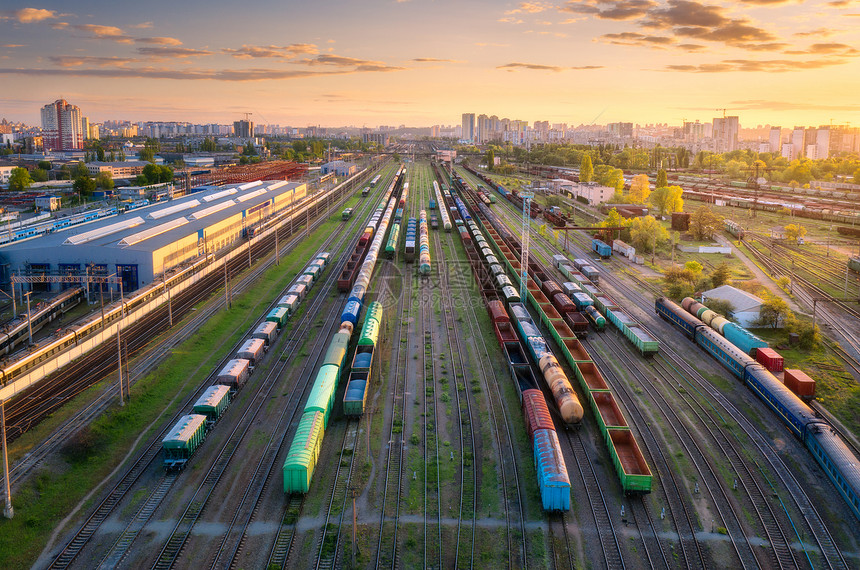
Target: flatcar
{"points": [[833, 455]]}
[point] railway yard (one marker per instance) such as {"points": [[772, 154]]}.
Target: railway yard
{"points": [[417, 407]]}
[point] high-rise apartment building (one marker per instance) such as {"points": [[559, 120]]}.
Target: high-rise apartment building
{"points": [[775, 139], [623, 130], [243, 129], [725, 133], [61, 126], [468, 133]]}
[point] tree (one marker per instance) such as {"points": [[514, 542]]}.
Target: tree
{"points": [[19, 180], [668, 199], [857, 176], [695, 269], [84, 185], [704, 223], [646, 233], [100, 153], [586, 169], [491, 159], [39, 175], [606, 175], [721, 275], [679, 282], [773, 311], [795, 231], [208, 145], [104, 180], [640, 189], [720, 306], [662, 179], [44, 165], [147, 154]]}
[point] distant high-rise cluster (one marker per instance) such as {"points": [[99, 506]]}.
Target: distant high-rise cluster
{"points": [[243, 129], [62, 127]]}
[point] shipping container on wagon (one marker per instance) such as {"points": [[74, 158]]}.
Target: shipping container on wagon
{"points": [[235, 373], [252, 350], [267, 330], [304, 453], [553, 481], [182, 441], [213, 402], [800, 383], [770, 359]]}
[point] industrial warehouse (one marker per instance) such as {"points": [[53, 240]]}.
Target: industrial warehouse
{"points": [[139, 244]]}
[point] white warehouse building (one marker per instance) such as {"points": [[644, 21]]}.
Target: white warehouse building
{"points": [[140, 244]]}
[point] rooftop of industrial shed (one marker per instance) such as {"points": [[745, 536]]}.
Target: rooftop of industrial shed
{"points": [[157, 225], [741, 300]]}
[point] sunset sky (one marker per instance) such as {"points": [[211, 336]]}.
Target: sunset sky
{"points": [[425, 62]]}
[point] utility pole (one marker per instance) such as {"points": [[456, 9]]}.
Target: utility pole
{"points": [[8, 511], [119, 367], [169, 303], [226, 286], [277, 248], [29, 319], [524, 262]]}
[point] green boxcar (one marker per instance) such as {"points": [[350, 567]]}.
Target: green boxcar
{"points": [[336, 353], [304, 453], [628, 461], [372, 323], [313, 270], [182, 440], [278, 315], [321, 398], [213, 402]]}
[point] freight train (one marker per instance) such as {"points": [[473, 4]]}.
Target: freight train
{"points": [[838, 461], [305, 448], [188, 434]]}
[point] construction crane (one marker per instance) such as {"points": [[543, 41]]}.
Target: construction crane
{"points": [[723, 110], [524, 262], [248, 116]]}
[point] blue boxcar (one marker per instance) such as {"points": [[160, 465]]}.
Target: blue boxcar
{"points": [[553, 482], [600, 248]]}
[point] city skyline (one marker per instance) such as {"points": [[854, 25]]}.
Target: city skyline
{"points": [[423, 64]]}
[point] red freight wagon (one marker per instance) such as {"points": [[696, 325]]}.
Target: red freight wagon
{"points": [[497, 311], [536, 412], [770, 359], [800, 383]]}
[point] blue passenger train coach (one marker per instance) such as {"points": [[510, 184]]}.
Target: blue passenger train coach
{"points": [[838, 461]]}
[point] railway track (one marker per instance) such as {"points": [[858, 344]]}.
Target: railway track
{"points": [[387, 548], [24, 411], [106, 508], [812, 520], [433, 546]]}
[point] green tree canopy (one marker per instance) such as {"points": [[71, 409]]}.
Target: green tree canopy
{"points": [[491, 159], [44, 165], [662, 179], [668, 199], [640, 189], [147, 154], [795, 231], [721, 275], [586, 169], [773, 312], [646, 233], [19, 180], [704, 223], [104, 181], [39, 175]]}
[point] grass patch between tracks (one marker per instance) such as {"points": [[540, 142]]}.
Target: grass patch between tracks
{"points": [[92, 454]]}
